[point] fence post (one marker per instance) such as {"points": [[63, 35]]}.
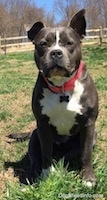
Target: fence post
{"points": [[101, 35], [5, 47], [0, 43]]}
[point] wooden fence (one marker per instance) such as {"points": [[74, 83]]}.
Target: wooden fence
{"points": [[15, 44], [96, 36]]}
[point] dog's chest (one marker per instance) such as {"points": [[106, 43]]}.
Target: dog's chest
{"points": [[62, 114]]}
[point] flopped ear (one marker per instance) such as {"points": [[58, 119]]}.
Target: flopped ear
{"points": [[35, 30], [78, 23]]}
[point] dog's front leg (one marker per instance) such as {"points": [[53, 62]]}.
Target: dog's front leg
{"points": [[87, 135], [35, 157], [46, 142]]}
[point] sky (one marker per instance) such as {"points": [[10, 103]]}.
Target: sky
{"points": [[47, 5]]}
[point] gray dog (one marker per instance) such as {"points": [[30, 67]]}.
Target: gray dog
{"points": [[65, 100]]}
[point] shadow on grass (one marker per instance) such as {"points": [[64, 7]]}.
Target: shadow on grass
{"points": [[70, 151], [21, 168]]}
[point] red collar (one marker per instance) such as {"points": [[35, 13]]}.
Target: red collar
{"points": [[69, 85]]}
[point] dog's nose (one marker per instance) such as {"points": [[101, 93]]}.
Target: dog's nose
{"points": [[56, 54]]}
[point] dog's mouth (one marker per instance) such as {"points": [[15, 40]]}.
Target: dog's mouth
{"points": [[57, 71], [60, 75]]}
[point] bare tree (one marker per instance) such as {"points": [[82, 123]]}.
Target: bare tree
{"points": [[14, 14], [96, 11], [3, 20], [49, 19], [22, 12], [66, 9], [102, 4], [92, 13]]}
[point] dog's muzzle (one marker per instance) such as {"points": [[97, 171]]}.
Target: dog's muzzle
{"points": [[56, 55]]}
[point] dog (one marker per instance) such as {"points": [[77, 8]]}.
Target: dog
{"points": [[65, 99]]}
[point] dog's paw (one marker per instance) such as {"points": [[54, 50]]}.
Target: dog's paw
{"points": [[89, 184], [89, 179], [45, 172], [52, 169]]}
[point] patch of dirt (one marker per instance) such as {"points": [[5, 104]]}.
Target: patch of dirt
{"points": [[12, 61], [30, 126], [15, 105], [95, 73], [6, 176]]}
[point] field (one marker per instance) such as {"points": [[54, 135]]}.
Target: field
{"points": [[18, 74]]}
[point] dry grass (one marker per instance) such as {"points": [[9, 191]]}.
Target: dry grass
{"points": [[18, 77]]}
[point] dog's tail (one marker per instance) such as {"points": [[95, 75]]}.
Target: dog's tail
{"points": [[20, 136]]}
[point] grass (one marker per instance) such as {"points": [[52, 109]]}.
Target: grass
{"points": [[61, 185], [18, 74]]}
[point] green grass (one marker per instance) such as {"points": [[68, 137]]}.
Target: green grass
{"points": [[61, 185], [13, 78], [18, 74], [101, 83]]}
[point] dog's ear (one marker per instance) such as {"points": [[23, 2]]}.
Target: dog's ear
{"points": [[35, 30], [78, 23]]}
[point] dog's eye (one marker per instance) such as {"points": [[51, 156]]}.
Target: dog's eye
{"points": [[43, 43], [70, 43]]}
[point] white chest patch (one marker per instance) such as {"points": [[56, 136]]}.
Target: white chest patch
{"points": [[62, 114]]}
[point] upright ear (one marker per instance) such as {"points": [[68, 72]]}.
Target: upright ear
{"points": [[35, 30], [78, 23]]}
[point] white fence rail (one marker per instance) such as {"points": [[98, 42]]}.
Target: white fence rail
{"points": [[96, 36], [15, 44]]}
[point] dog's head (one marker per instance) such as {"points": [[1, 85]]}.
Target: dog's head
{"points": [[58, 50]]}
